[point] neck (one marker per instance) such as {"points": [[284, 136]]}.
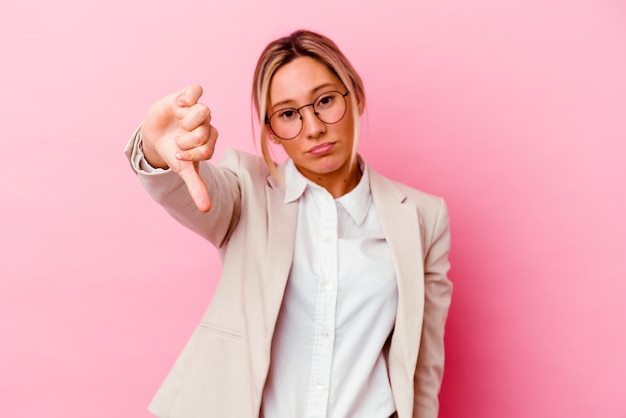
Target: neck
{"points": [[338, 183]]}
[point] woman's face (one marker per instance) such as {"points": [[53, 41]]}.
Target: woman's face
{"points": [[321, 151]]}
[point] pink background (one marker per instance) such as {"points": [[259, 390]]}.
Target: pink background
{"points": [[515, 111]]}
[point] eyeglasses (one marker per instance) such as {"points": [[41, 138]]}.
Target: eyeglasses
{"points": [[329, 107]]}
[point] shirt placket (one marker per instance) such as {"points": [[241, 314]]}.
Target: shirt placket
{"points": [[325, 316]]}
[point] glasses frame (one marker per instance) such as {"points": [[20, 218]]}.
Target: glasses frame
{"points": [[268, 118]]}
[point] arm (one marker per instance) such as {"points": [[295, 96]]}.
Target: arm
{"points": [[169, 190], [175, 138], [437, 292]]}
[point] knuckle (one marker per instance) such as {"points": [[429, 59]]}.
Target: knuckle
{"points": [[205, 153], [204, 113], [199, 136]]}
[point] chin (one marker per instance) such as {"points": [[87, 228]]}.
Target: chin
{"points": [[327, 168]]}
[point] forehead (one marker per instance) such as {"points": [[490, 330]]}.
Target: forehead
{"points": [[301, 79]]}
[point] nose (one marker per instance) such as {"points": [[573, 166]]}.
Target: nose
{"points": [[312, 126]]}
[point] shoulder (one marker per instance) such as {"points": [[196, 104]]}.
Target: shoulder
{"points": [[246, 167], [430, 208], [386, 188], [240, 160]]}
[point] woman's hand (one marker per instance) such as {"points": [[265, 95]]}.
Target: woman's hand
{"points": [[177, 134]]}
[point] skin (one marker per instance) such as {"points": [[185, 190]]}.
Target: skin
{"points": [[177, 132], [321, 152]]}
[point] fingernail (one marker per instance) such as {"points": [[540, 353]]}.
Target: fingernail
{"points": [[178, 156]]}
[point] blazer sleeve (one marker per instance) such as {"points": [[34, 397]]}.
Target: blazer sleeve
{"points": [[437, 293], [169, 190]]}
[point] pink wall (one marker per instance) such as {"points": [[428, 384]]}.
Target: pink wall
{"points": [[515, 111]]}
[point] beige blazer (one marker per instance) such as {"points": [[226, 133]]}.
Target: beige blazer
{"points": [[222, 370]]}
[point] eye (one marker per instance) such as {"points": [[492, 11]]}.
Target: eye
{"points": [[287, 114], [326, 100]]}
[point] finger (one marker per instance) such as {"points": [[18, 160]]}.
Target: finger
{"points": [[189, 95], [196, 187], [196, 138], [194, 116], [198, 152]]}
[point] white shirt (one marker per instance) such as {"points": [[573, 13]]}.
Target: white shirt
{"points": [[338, 310]]}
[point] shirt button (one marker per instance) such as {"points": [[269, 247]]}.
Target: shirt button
{"points": [[327, 240], [325, 334], [329, 286], [319, 386]]}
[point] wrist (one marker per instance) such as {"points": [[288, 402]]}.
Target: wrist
{"points": [[150, 154]]}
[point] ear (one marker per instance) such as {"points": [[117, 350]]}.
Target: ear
{"points": [[360, 104], [269, 135]]}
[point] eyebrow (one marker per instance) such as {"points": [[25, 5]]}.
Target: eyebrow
{"points": [[314, 91]]}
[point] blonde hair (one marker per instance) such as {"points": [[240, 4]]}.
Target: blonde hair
{"points": [[282, 51]]}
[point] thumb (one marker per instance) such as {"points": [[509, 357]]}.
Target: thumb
{"points": [[196, 187]]}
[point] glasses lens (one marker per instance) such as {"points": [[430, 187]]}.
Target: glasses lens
{"points": [[286, 123], [330, 107]]}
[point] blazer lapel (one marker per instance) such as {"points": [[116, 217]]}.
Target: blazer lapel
{"points": [[401, 225], [282, 219]]}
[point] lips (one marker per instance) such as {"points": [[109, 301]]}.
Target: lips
{"points": [[321, 149]]}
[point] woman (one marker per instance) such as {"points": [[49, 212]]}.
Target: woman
{"points": [[334, 291]]}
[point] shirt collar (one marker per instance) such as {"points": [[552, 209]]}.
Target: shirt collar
{"points": [[295, 182], [356, 202]]}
